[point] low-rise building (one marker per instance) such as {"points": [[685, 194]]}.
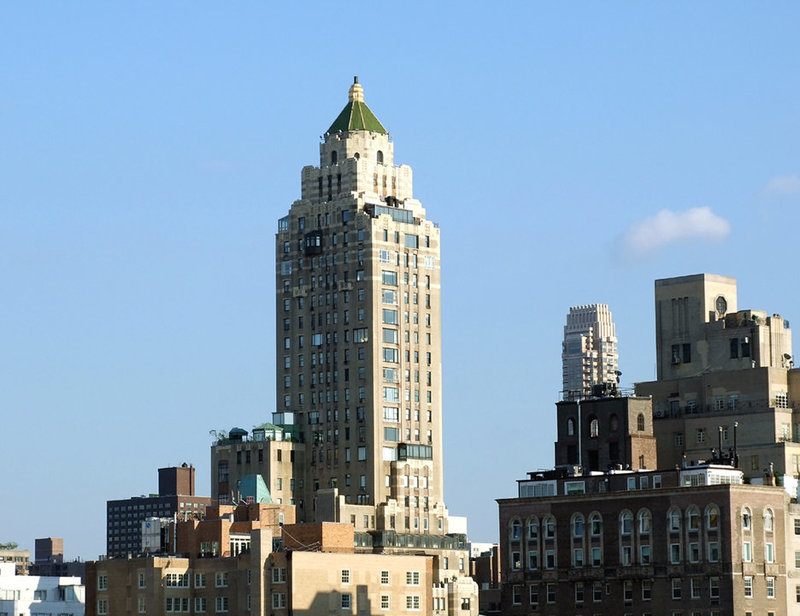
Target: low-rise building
{"points": [[252, 558], [29, 595]]}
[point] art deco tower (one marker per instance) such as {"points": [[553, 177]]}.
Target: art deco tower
{"points": [[358, 329], [589, 356]]}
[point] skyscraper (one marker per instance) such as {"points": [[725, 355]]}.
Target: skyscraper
{"points": [[358, 327], [589, 354]]}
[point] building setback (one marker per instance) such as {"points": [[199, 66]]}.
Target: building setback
{"points": [[589, 355]]}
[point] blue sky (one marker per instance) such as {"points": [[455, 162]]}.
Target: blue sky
{"points": [[571, 155]]}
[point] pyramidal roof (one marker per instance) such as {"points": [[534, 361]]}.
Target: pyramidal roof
{"points": [[356, 115]]}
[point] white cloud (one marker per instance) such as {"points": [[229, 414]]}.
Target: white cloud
{"points": [[649, 235], [782, 185]]}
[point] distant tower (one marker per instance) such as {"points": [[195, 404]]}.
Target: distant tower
{"points": [[589, 355]]}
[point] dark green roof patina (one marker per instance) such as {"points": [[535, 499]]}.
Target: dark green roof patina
{"points": [[356, 115]]}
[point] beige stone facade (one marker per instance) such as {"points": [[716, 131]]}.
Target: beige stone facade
{"points": [[589, 356], [282, 569], [725, 379]]}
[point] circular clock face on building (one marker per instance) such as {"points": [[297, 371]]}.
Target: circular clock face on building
{"points": [[722, 305]]}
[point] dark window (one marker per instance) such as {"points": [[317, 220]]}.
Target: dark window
{"points": [[687, 353], [734, 348]]}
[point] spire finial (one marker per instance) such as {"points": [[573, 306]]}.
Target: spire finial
{"points": [[356, 93]]}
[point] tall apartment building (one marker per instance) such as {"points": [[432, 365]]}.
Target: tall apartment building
{"points": [[589, 354], [358, 327], [725, 379], [357, 435], [176, 486]]}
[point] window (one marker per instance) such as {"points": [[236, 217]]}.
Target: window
{"points": [[595, 524], [142, 580], [712, 552], [385, 578], [645, 522], [640, 422], [412, 602], [694, 552], [675, 553], [347, 601], [385, 603], [102, 582], [693, 519], [747, 552], [516, 594], [279, 575], [627, 591], [676, 588], [770, 588], [769, 520], [102, 606], [769, 552], [647, 590], [577, 526], [577, 557], [389, 277], [199, 580], [597, 557], [594, 428], [551, 593], [222, 604], [644, 554], [747, 519], [748, 586], [712, 518], [412, 578], [221, 579], [550, 559], [515, 530], [597, 592], [570, 427], [345, 576], [578, 592], [516, 563], [625, 522]]}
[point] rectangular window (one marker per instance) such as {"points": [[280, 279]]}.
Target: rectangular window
{"points": [[221, 579], [389, 277], [385, 603], [676, 588], [516, 594], [747, 552], [713, 587], [412, 602], [748, 586], [347, 601], [412, 241], [390, 316], [770, 588], [222, 604], [412, 578], [390, 335], [278, 600], [769, 552], [551, 593], [385, 578]]}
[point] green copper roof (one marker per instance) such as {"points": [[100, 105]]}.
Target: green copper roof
{"points": [[356, 115]]}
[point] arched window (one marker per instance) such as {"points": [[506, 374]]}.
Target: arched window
{"points": [[533, 528], [596, 525], [769, 521], [625, 522], [549, 527], [594, 427], [747, 519], [380, 157], [334, 157], [645, 522], [570, 427], [674, 520], [712, 517], [577, 526], [640, 422], [515, 529], [693, 519]]}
